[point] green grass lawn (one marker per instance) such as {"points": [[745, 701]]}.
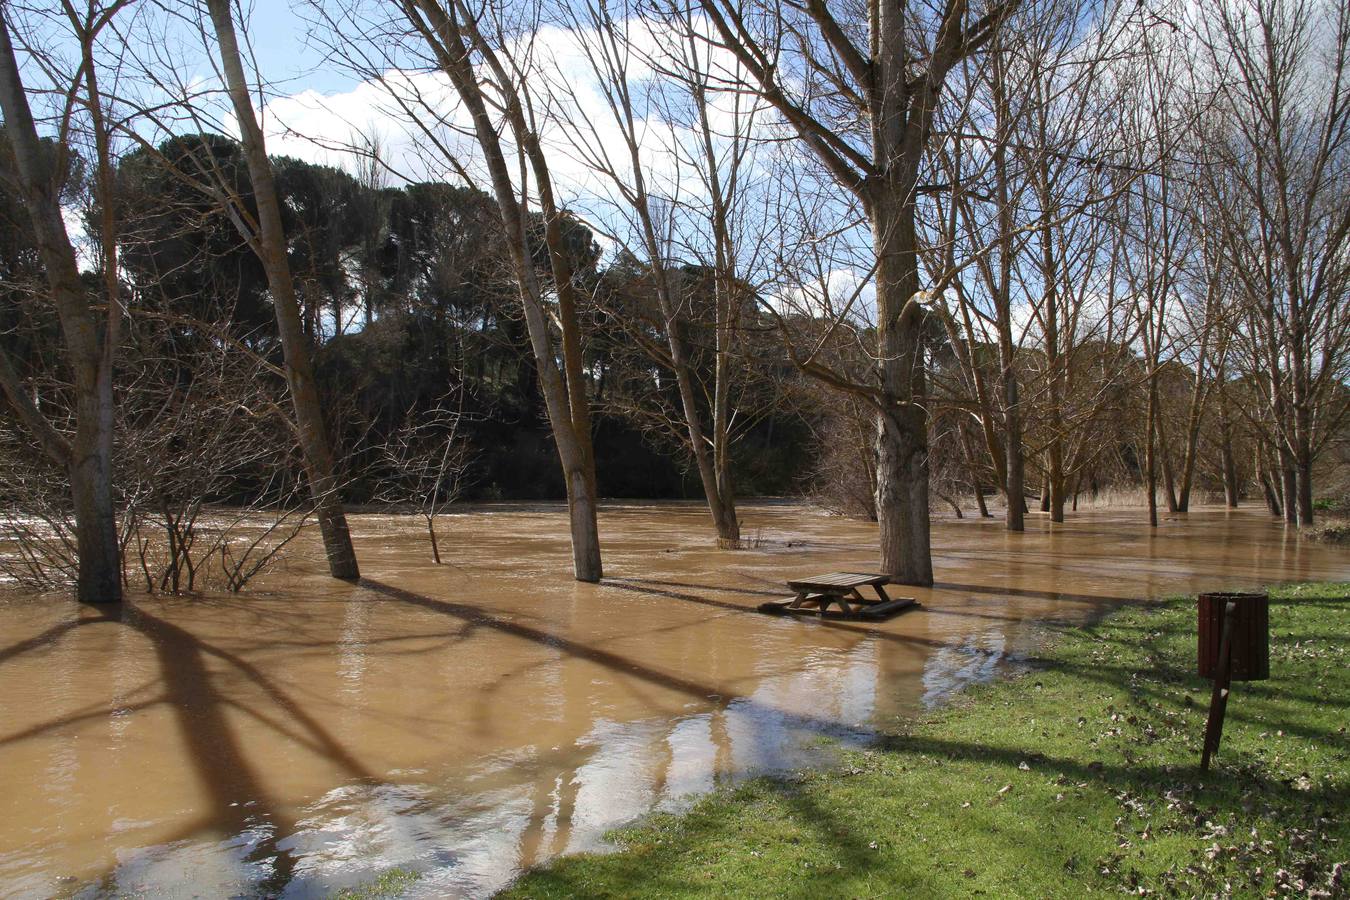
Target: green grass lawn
{"points": [[1080, 777]]}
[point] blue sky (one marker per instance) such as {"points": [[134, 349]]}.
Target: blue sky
{"points": [[279, 36]]}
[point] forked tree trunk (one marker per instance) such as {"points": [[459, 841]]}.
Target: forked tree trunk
{"points": [[1165, 460], [87, 456], [1193, 417], [1288, 486], [270, 244], [975, 484], [721, 507], [1267, 489]]}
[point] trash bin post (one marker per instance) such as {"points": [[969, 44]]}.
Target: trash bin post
{"points": [[1234, 645]]}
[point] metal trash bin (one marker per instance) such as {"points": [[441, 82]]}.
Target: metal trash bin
{"points": [[1250, 638]]}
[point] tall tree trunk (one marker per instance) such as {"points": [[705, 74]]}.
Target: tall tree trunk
{"points": [[1015, 477], [902, 427], [1165, 461], [1302, 455], [1230, 480], [1150, 455], [975, 482], [1267, 489], [566, 400], [87, 456], [1288, 485], [719, 505], [270, 244], [1193, 417]]}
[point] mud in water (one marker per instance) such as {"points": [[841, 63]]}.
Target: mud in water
{"points": [[471, 719]]}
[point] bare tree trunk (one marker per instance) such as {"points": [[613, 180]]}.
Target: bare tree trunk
{"points": [[270, 244], [1150, 455], [975, 482], [1230, 485], [449, 37], [902, 428], [435, 546], [1197, 408], [87, 456], [1288, 486], [721, 506], [1302, 455], [1267, 489], [1015, 477], [1169, 481]]}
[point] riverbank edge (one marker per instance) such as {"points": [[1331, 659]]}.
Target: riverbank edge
{"points": [[1076, 777]]}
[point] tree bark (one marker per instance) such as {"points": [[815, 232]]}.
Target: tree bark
{"points": [[902, 427]]}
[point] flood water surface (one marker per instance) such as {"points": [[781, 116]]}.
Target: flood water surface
{"points": [[468, 720]]}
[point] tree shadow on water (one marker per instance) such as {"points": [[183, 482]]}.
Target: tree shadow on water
{"points": [[237, 803]]}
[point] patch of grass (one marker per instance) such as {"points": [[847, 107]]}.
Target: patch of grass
{"points": [[1331, 531], [1080, 778], [392, 883]]}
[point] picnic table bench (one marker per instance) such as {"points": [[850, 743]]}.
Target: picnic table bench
{"points": [[816, 594]]}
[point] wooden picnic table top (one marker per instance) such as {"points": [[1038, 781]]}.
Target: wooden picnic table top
{"points": [[837, 582]]}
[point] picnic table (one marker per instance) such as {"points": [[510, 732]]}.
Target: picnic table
{"points": [[816, 594]]}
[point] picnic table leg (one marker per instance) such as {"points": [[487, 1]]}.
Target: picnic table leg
{"points": [[843, 604], [881, 592], [798, 600]]}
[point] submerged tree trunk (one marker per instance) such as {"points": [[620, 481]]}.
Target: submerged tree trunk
{"points": [[87, 455], [975, 482], [1150, 455], [1230, 480], [1267, 489], [722, 506], [269, 242], [1193, 417], [1165, 459], [1015, 476], [564, 390], [1288, 486], [1303, 454], [435, 545]]}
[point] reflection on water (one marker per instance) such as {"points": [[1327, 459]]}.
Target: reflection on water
{"points": [[469, 720]]}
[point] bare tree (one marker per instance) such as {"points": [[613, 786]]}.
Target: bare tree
{"points": [[37, 174], [677, 188], [427, 458], [266, 235], [212, 491], [861, 93], [1277, 170], [475, 49]]}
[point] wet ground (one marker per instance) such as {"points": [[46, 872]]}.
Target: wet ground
{"points": [[471, 719]]}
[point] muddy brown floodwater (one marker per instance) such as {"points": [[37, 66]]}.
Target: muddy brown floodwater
{"points": [[469, 720]]}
